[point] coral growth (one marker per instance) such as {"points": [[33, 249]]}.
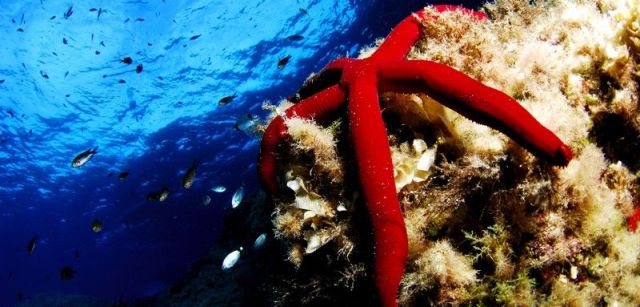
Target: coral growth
{"points": [[487, 222]]}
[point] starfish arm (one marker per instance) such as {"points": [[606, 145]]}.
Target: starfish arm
{"points": [[407, 32], [375, 170], [318, 106], [480, 103]]}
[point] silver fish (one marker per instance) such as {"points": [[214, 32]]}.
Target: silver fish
{"points": [[84, 157], [206, 200], [237, 197], [219, 189], [231, 259], [257, 244]]}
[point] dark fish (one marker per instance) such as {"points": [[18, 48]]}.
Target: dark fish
{"points": [[67, 272], [160, 77], [102, 43], [122, 81], [1, 81], [65, 75], [31, 246], [152, 196], [93, 9], [227, 99], [91, 36], [84, 157], [149, 44], [68, 13], [22, 19], [110, 174], [303, 11], [67, 95], [187, 180], [164, 193], [64, 40], [295, 37], [127, 20], [195, 37], [44, 74], [11, 113], [97, 52], [123, 175], [139, 19], [96, 225], [30, 131], [283, 62], [127, 60], [99, 13], [52, 17], [139, 68], [20, 30], [54, 53]]}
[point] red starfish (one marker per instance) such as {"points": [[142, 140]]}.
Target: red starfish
{"points": [[389, 70]]}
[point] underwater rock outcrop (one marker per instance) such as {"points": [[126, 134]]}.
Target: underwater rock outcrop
{"points": [[488, 222]]}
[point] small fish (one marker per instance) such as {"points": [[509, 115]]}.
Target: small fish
{"points": [[102, 43], [54, 53], [164, 193], [126, 60], [127, 20], [22, 19], [96, 225], [295, 37], [30, 131], [31, 246], [64, 40], [123, 175], [195, 37], [257, 244], [139, 19], [231, 259], [52, 17], [189, 176], [44, 74], [1, 81], [20, 30], [139, 68], [67, 273], [99, 13], [97, 52], [93, 9], [84, 157], [219, 189], [303, 11], [110, 174], [247, 124], [206, 200], [236, 199], [283, 62], [68, 13], [227, 99], [65, 75], [11, 113], [122, 81]]}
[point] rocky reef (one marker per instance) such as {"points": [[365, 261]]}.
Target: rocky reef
{"points": [[488, 223]]}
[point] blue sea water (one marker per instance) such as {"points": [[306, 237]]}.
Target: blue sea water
{"points": [[59, 99]]}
